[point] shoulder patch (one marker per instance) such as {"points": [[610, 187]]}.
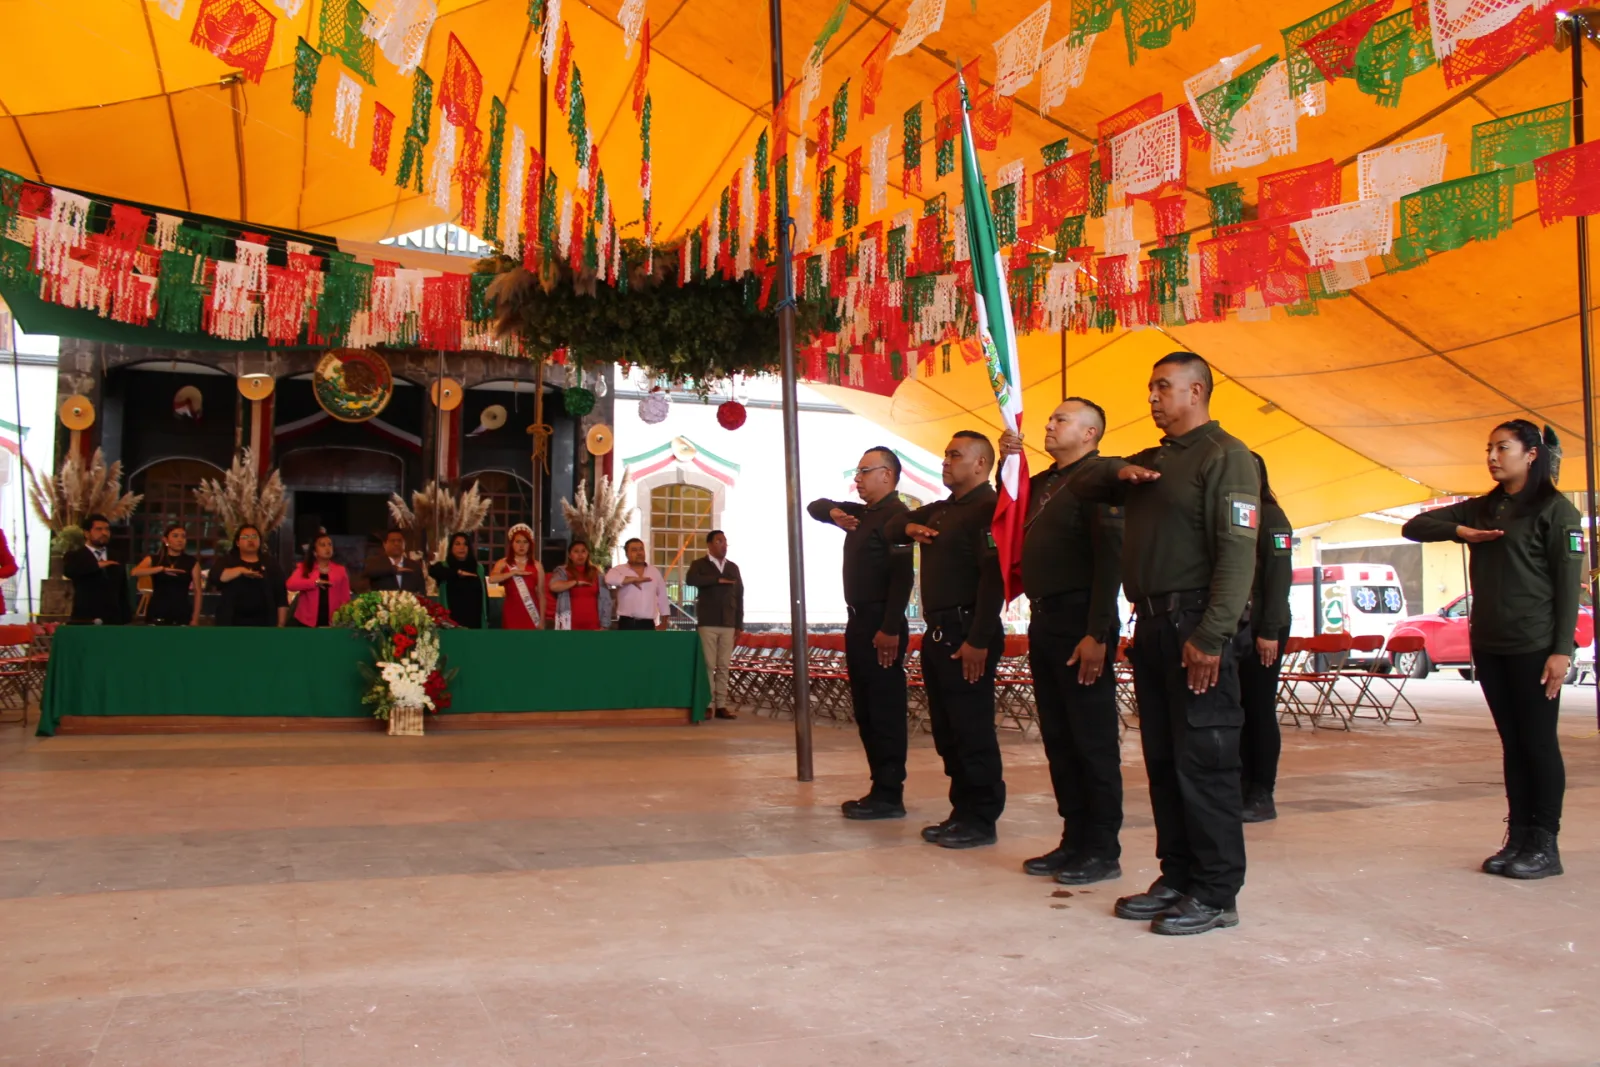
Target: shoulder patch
{"points": [[1576, 545], [1243, 513], [990, 535], [1282, 542]]}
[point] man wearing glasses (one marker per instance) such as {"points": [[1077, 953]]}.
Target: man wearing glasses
{"points": [[877, 586]]}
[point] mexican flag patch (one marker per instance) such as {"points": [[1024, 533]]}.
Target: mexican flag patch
{"points": [[1280, 541], [1246, 515], [1575, 543]]}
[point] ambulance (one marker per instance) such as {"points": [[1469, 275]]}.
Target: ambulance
{"points": [[1359, 599]]}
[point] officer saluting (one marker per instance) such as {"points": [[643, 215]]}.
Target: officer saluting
{"points": [[877, 585], [1071, 570], [1193, 509], [962, 594]]}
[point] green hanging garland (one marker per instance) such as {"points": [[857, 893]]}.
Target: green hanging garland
{"points": [[306, 62], [1227, 205], [578, 119], [409, 173], [497, 148], [841, 114]]}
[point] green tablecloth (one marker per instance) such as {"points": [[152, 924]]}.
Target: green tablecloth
{"points": [[148, 670]]}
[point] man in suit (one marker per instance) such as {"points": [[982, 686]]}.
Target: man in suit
{"points": [[394, 570], [99, 583], [719, 613]]}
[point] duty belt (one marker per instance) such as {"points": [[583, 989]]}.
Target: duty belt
{"points": [[1172, 603], [955, 618], [1044, 605]]}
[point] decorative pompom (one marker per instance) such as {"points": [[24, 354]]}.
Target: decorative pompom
{"points": [[730, 414], [655, 406], [578, 401]]}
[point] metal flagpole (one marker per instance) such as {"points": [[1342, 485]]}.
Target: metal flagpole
{"points": [[1579, 27], [791, 442], [1063, 363]]}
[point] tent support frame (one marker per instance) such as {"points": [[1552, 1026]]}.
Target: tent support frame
{"points": [[791, 440]]}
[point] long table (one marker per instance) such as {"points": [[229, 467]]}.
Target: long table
{"points": [[316, 674]]}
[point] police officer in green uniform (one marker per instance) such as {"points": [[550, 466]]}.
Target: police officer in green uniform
{"points": [[962, 596], [1260, 743], [1188, 560], [1071, 571], [877, 587], [1527, 546]]}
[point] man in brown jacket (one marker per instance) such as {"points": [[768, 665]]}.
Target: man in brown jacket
{"points": [[719, 612]]}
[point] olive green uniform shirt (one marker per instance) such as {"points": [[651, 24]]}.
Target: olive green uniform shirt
{"points": [[1269, 597], [1071, 546], [960, 567], [1194, 528], [1525, 585]]}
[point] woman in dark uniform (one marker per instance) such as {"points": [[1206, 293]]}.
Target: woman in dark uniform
{"points": [[175, 583], [1527, 549], [1259, 742], [251, 583], [460, 579]]}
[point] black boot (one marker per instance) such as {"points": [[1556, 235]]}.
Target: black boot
{"points": [[1515, 836], [1089, 869], [931, 834], [1057, 859], [1147, 905], [1539, 857], [1258, 805]]}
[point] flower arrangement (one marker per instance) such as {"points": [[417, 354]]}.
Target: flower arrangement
{"points": [[242, 497], [64, 501], [601, 518], [403, 631]]}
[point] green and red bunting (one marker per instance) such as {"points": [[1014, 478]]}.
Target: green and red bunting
{"points": [[998, 337], [663, 456], [11, 437]]}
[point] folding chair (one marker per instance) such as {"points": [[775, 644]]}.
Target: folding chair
{"points": [[1385, 692], [916, 691], [830, 681], [1322, 700], [16, 669], [1013, 686], [1127, 700]]}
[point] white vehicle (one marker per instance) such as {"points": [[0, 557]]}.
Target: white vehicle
{"points": [[1359, 599]]}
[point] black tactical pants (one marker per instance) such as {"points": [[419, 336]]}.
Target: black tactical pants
{"points": [[1191, 754], [878, 699], [962, 715], [1079, 727], [1260, 744], [1536, 777]]}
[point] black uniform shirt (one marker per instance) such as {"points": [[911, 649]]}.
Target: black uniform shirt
{"points": [[1192, 528], [1525, 584], [875, 571], [1269, 596], [961, 568], [1072, 546]]}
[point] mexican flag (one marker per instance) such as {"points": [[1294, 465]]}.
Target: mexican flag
{"points": [[998, 336]]}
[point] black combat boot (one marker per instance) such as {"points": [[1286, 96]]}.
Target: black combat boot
{"points": [[1539, 857], [1057, 859], [1258, 805], [1515, 836]]}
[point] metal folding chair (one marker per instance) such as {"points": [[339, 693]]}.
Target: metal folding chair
{"points": [[1309, 690], [1013, 687]]}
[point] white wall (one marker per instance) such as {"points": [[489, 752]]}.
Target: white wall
{"points": [[38, 387], [753, 510]]}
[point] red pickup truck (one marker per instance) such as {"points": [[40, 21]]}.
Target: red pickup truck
{"points": [[1448, 646]]}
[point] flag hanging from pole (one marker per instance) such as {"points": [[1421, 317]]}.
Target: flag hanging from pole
{"points": [[998, 336]]}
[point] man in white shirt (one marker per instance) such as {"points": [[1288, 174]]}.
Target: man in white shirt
{"points": [[642, 602]]}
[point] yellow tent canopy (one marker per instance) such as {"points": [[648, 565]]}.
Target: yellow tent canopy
{"points": [[1384, 397]]}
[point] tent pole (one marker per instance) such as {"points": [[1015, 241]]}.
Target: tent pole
{"points": [[22, 481], [791, 442], [1063, 363], [1580, 33]]}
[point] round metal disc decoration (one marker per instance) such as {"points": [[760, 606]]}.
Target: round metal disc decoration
{"points": [[447, 394], [598, 441], [77, 412], [256, 386], [352, 385], [655, 406]]}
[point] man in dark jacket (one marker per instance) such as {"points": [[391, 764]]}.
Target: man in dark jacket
{"points": [[719, 612], [99, 583], [394, 570]]}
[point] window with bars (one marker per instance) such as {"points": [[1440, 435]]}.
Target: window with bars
{"points": [[680, 516], [510, 502], [168, 489]]}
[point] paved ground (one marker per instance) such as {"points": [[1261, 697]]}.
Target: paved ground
{"points": [[674, 896]]}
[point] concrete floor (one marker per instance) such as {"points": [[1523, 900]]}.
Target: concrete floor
{"points": [[674, 896]]}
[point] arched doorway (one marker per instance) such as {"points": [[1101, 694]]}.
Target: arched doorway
{"points": [[510, 502], [342, 490], [168, 487]]}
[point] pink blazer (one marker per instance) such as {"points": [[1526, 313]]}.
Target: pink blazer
{"points": [[305, 607]]}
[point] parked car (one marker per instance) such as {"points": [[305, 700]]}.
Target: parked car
{"points": [[1359, 599], [1447, 644]]}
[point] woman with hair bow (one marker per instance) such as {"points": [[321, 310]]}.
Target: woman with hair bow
{"points": [[523, 578], [1528, 552]]}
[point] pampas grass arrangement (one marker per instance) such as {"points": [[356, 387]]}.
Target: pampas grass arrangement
{"points": [[79, 490], [600, 521], [436, 510], [241, 498]]}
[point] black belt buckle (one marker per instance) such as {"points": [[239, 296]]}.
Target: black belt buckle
{"points": [[955, 617], [1172, 603]]}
